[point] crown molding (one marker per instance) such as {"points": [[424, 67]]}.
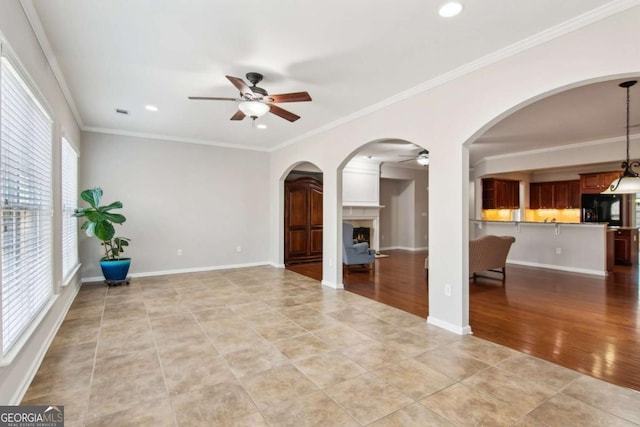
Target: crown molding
{"points": [[171, 138], [47, 50], [549, 34], [557, 148]]}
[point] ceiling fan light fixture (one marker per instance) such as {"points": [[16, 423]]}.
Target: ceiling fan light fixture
{"points": [[253, 109], [423, 159], [450, 9], [629, 181]]}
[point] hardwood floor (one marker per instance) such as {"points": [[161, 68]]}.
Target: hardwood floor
{"points": [[586, 323]]}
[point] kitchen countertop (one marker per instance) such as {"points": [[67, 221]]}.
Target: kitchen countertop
{"points": [[585, 224]]}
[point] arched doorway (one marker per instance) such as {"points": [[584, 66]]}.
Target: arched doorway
{"points": [[385, 192]]}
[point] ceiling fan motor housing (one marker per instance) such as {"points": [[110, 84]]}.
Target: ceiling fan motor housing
{"points": [[256, 78]]}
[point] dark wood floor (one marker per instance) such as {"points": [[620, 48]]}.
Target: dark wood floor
{"points": [[587, 323]]}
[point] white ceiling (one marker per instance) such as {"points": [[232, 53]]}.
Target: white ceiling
{"points": [[349, 55]]}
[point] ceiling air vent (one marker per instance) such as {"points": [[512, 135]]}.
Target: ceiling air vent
{"points": [[121, 111]]}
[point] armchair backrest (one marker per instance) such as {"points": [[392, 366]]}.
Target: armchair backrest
{"points": [[489, 252], [347, 235]]}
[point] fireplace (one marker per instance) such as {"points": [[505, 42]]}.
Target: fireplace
{"points": [[364, 217], [362, 234]]}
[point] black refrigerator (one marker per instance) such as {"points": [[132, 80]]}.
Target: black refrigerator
{"points": [[603, 208]]}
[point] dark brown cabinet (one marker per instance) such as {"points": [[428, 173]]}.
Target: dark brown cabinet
{"points": [[626, 246], [303, 220], [575, 201], [500, 194], [554, 195], [593, 183]]}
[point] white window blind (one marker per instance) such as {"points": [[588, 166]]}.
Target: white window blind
{"points": [[25, 194], [69, 204]]}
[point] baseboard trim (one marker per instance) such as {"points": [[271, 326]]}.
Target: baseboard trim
{"points": [[558, 267], [332, 285], [186, 270], [464, 330], [404, 248]]}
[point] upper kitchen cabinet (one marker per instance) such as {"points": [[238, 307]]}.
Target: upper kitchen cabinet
{"points": [[593, 183], [554, 195], [541, 195], [566, 194], [500, 194]]}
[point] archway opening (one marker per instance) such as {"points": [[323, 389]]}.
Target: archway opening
{"points": [[563, 148]]}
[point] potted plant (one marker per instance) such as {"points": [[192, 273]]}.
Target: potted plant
{"points": [[99, 222]]}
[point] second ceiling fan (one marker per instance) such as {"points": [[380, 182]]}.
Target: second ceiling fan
{"points": [[256, 102], [422, 157]]}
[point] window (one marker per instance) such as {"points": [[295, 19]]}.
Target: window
{"points": [[69, 204], [25, 194]]}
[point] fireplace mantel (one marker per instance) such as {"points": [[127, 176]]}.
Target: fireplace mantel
{"points": [[360, 212]]}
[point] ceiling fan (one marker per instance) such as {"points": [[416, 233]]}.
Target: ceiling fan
{"points": [[422, 157], [256, 102]]}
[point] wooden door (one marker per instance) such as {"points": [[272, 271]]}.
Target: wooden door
{"points": [[303, 220], [534, 195], [561, 195], [513, 189], [607, 178], [546, 195], [591, 183], [574, 195], [315, 222]]}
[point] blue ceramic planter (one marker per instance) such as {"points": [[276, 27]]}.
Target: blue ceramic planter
{"points": [[115, 270]]}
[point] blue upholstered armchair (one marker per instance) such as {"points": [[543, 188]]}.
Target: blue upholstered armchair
{"points": [[355, 253]]}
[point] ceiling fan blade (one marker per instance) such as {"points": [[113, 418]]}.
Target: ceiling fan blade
{"points": [[287, 115], [291, 97], [240, 85], [239, 115], [214, 98]]}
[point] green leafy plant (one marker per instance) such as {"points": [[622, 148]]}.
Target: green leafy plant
{"points": [[99, 223]]}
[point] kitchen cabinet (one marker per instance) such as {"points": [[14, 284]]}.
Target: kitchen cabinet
{"points": [[500, 194], [626, 246], [593, 183], [554, 195], [541, 195], [566, 194]]}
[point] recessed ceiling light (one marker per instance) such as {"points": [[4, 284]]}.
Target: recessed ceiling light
{"points": [[450, 9], [151, 107], [261, 126]]}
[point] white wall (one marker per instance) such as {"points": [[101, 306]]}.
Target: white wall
{"points": [[414, 213], [446, 116], [201, 199], [399, 213], [16, 31]]}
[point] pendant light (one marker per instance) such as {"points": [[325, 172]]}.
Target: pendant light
{"points": [[629, 181]]}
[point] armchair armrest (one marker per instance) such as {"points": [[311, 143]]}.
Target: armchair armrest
{"points": [[361, 248]]}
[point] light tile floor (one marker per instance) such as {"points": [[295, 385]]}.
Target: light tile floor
{"points": [[268, 347]]}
